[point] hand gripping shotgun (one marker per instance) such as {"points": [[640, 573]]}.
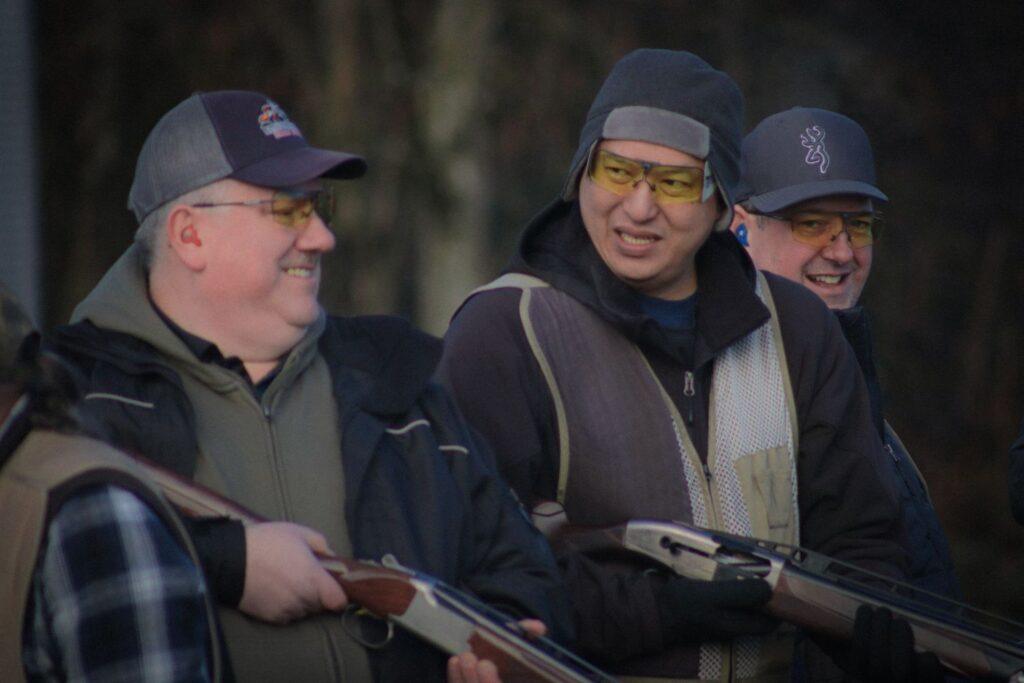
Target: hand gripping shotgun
{"points": [[447, 618], [819, 593]]}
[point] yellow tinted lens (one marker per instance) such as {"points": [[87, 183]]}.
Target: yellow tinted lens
{"points": [[292, 210], [670, 184], [614, 173], [325, 205], [819, 229], [676, 183], [814, 228], [862, 230]]}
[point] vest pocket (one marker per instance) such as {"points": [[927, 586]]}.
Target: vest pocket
{"points": [[766, 479]]}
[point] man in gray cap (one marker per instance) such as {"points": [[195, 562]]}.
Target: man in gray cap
{"points": [[78, 518], [632, 363], [808, 210], [205, 349]]}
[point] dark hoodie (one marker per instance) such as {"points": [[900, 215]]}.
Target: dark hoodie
{"points": [[846, 510]]}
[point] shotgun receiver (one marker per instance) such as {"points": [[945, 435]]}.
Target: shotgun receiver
{"points": [[443, 616], [819, 593]]}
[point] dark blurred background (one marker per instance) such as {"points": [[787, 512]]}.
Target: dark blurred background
{"points": [[468, 111]]}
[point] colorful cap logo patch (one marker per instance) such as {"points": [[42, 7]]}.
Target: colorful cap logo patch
{"points": [[273, 121]]}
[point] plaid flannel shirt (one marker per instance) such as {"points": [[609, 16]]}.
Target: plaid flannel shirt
{"points": [[114, 597]]}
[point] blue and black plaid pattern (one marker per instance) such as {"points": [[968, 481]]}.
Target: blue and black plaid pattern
{"points": [[114, 597]]}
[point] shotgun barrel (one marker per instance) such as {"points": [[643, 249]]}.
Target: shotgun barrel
{"points": [[449, 619]]}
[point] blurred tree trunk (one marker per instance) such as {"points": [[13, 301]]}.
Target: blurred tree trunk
{"points": [[451, 96]]}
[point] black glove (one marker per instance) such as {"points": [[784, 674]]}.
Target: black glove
{"points": [[696, 611], [882, 651]]}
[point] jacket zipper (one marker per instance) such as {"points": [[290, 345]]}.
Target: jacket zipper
{"points": [[264, 409], [892, 452], [689, 392]]}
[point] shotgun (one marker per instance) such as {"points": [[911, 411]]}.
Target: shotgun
{"points": [[447, 618], [819, 593]]}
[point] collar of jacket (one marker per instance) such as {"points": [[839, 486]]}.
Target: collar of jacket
{"points": [[125, 352], [856, 326], [556, 248], [379, 367], [381, 364]]}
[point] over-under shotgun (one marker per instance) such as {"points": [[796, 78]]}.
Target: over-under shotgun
{"points": [[449, 619], [820, 593]]}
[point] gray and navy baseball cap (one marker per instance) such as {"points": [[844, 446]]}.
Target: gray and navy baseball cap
{"points": [[669, 98], [802, 154], [229, 134]]}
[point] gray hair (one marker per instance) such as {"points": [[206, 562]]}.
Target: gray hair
{"points": [[147, 236]]}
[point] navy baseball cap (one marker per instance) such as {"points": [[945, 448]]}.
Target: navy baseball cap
{"points": [[801, 154], [228, 134]]}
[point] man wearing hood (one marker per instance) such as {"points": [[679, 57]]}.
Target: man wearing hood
{"points": [[204, 348], [632, 363]]}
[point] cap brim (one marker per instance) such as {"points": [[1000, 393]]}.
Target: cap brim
{"points": [[298, 166], [787, 196]]}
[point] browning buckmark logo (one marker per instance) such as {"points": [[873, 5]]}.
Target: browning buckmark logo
{"points": [[813, 139]]}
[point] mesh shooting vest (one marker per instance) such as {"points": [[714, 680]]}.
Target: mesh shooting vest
{"points": [[624, 451], [46, 469]]}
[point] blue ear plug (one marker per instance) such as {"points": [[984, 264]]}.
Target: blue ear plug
{"points": [[741, 235]]}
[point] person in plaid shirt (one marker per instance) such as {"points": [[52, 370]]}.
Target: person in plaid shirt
{"points": [[114, 597], [112, 594]]}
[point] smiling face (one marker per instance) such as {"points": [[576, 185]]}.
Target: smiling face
{"points": [[836, 272], [649, 246], [261, 279]]}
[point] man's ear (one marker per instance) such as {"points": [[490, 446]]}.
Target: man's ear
{"points": [[741, 221], [184, 235]]}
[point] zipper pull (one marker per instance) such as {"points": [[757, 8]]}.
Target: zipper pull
{"points": [[707, 471], [688, 392]]}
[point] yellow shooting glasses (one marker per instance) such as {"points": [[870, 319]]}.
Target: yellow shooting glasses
{"points": [[670, 184], [820, 228], [290, 208]]}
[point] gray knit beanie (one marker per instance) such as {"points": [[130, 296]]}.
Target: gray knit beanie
{"points": [[669, 98]]}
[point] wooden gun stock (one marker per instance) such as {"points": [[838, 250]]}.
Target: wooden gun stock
{"points": [[807, 590], [449, 619]]}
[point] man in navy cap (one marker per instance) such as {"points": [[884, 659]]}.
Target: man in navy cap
{"points": [[808, 210], [205, 349], [632, 363]]}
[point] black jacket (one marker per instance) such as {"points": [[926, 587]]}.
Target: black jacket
{"points": [[439, 512], [930, 561], [846, 509]]}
